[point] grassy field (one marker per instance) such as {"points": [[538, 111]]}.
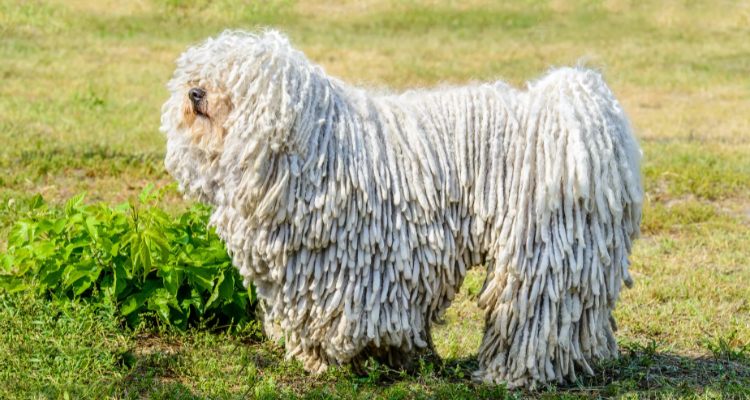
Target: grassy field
{"points": [[82, 83]]}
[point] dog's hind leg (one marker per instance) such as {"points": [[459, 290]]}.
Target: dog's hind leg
{"points": [[562, 250]]}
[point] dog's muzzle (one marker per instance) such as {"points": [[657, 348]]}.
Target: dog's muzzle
{"points": [[197, 98]]}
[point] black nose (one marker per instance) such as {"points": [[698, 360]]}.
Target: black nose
{"points": [[196, 95]]}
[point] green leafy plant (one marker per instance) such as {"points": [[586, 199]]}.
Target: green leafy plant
{"points": [[136, 255]]}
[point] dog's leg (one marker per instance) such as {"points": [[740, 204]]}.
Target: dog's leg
{"points": [[271, 329], [562, 250]]}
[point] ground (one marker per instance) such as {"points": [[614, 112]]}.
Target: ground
{"points": [[82, 82]]}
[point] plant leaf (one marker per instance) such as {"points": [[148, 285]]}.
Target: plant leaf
{"points": [[69, 249], [226, 286], [81, 271], [45, 250], [19, 234], [199, 277], [6, 262], [12, 285], [196, 300], [161, 242], [50, 275], [80, 285], [180, 320], [172, 279], [159, 215], [90, 227], [216, 292], [73, 205], [121, 280], [36, 202], [43, 225], [137, 300], [59, 225], [145, 258], [144, 195], [161, 302]]}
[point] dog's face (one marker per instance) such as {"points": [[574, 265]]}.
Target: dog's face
{"points": [[195, 122], [204, 112]]}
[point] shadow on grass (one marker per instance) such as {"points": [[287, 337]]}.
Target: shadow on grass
{"points": [[258, 370], [650, 372]]}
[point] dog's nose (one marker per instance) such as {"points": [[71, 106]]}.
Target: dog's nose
{"points": [[196, 95]]}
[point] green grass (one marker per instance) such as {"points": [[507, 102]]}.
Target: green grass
{"points": [[58, 351], [82, 83]]}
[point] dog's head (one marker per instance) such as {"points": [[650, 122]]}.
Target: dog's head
{"points": [[195, 119], [231, 97]]}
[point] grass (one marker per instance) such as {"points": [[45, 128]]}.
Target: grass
{"points": [[82, 86]]}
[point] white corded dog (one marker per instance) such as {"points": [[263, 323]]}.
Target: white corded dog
{"points": [[357, 215]]}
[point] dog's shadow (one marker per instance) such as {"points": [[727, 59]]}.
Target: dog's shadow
{"points": [[638, 369]]}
